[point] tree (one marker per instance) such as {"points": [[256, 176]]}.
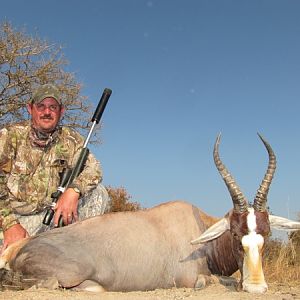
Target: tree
{"points": [[120, 200], [25, 63]]}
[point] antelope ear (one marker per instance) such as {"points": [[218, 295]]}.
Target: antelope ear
{"points": [[280, 223], [213, 232]]}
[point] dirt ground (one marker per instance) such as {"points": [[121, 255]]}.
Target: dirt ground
{"points": [[215, 291]]}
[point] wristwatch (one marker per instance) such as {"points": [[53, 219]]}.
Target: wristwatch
{"points": [[75, 189]]}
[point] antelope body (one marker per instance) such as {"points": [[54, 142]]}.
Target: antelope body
{"points": [[152, 248]]}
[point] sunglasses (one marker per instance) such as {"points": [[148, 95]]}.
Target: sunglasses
{"points": [[42, 107]]}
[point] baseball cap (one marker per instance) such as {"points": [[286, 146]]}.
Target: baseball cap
{"points": [[46, 91]]}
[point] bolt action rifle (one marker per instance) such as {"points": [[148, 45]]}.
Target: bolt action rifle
{"points": [[68, 175]]}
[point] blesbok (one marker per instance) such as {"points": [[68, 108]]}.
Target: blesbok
{"points": [[152, 248]]}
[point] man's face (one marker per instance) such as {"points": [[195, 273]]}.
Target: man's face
{"points": [[46, 114]]}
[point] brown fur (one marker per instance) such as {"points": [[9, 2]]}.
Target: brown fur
{"points": [[11, 252], [128, 251], [263, 224]]}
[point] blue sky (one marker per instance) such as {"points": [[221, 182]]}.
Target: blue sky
{"points": [[182, 71]]}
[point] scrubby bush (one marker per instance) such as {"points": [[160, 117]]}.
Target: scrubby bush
{"points": [[120, 200]]}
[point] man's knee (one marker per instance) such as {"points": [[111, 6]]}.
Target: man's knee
{"points": [[97, 202]]}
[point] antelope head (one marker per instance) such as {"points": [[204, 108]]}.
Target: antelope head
{"points": [[249, 225]]}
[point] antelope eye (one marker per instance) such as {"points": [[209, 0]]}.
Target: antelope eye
{"points": [[235, 235]]}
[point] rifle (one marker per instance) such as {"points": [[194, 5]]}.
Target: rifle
{"points": [[69, 175]]}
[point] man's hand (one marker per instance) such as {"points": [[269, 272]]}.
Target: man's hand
{"points": [[66, 207], [13, 234]]}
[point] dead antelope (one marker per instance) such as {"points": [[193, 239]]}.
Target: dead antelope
{"points": [[152, 248]]}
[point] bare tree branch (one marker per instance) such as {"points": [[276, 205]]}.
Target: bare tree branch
{"points": [[27, 62]]}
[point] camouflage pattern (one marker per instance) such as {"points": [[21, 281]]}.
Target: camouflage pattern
{"points": [[94, 203], [46, 91], [29, 175]]}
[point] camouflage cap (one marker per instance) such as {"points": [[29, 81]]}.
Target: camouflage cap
{"points": [[46, 91]]}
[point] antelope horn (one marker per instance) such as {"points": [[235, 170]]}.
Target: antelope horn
{"points": [[260, 201], [240, 203]]}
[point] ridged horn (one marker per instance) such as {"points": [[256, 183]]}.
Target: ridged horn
{"points": [[260, 200], [240, 203]]}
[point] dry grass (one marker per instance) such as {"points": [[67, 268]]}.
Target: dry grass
{"points": [[282, 260]]}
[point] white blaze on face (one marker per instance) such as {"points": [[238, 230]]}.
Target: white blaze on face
{"points": [[253, 276]]}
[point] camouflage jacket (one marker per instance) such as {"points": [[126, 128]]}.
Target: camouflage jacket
{"points": [[29, 175]]}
